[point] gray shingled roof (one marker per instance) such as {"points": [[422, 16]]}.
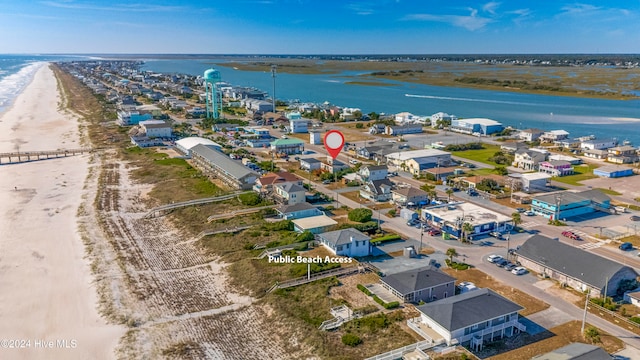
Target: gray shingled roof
{"points": [[567, 197], [341, 237], [576, 351], [290, 187], [460, 311], [295, 207], [233, 167], [579, 264], [411, 192], [406, 282]]}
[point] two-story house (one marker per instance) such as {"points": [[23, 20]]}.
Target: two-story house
{"points": [[424, 284], [528, 159], [373, 172], [290, 193], [622, 154], [530, 134], [266, 183], [377, 190], [555, 167], [470, 319]]}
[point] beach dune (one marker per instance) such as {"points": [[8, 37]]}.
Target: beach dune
{"points": [[48, 305]]}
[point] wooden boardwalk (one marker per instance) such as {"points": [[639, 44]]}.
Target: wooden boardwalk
{"points": [[321, 275], [239, 212], [26, 156], [157, 211]]}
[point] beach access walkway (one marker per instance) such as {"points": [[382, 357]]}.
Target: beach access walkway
{"points": [[26, 156], [159, 210]]}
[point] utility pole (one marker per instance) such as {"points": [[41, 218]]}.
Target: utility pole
{"points": [[584, 316], [421, 234]]}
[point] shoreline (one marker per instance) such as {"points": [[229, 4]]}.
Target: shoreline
{"points": [[47, 291]]}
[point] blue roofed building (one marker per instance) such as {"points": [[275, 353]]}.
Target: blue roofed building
{"points": [[564, 205], [476, 126]]}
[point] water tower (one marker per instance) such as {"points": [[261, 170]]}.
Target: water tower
{"points": [[214, 97]]}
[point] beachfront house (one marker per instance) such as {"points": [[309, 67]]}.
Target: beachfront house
{"points": [[441, 120], [598, 144], [397, 130], [470, 319], [346, 242], [553, 136]]}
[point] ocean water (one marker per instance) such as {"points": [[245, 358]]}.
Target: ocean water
{"points": [[16, 71], [579, 116]]}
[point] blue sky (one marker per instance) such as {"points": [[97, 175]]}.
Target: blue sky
{"points": [[319, 26]]}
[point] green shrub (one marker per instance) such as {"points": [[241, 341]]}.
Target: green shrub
{"points": [[364, 289], [250, 199], [351, 340], [361, 215], [635, 319], [391, 305], [392, 212], [305, 236], [457, 265], [381, 239]]}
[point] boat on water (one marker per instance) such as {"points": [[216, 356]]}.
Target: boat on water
{"points": [[626, 142]]}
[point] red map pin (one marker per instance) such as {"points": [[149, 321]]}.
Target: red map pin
{"points": [[333, 142]]}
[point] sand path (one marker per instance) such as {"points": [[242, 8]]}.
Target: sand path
{"points": [[47, 299]]}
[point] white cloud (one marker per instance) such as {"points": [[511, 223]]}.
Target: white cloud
{"points": [[115, 7], [470, 22], [491, 7]]}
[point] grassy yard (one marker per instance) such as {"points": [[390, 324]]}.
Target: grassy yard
{"points": [[527, 346], [480, 155], [581, 172]]}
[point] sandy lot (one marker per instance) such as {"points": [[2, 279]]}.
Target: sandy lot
{"points": [[47, 301]]}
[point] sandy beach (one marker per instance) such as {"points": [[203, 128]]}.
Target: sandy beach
{"points": [[48, 304]]}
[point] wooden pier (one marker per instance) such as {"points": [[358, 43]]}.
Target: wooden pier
{"points": [[26, 156]]}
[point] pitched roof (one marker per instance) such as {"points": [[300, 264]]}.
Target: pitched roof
{"points": [[285, 142], [574, 262], [344, 236], [232, 167], [575, 351], [406, 282], [460, 311], [291, 187], [285, 209], [375, 167], [567, 197], [376, 185], [410, 192], [278, 177]]}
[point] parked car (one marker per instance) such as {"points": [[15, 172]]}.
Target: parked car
{"points": [[626, 246], [326, 182], [510, 266], [529, 213], [434, 232], [521, 210], [494, 258], [519, 271], [501, 262], [496, 235]]}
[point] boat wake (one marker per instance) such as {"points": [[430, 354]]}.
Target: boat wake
{"points": [[468, 99]]}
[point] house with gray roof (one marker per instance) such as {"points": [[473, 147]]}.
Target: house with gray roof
{"points": [[215, 163], [298, 211], [582, 270], [346, 242], [425, 284], [377, 190], [406, 195], [472, 318], [575, 351], [373, 172], [290, 193]]}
